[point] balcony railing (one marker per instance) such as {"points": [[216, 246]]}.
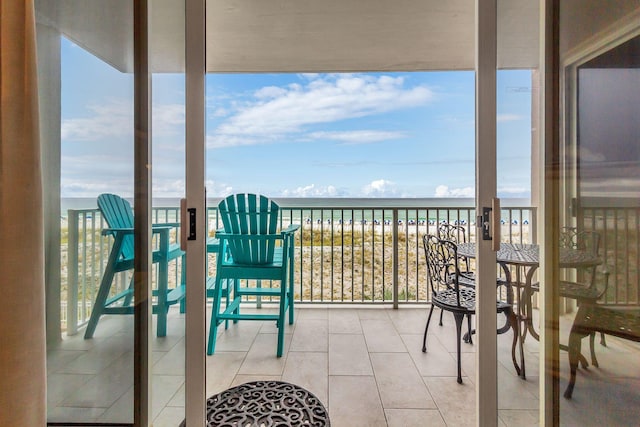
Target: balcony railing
{"points": [[619, 229], [370, 253]]}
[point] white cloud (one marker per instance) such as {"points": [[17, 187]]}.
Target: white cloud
{"points": [[512, 190], [168, 119], [220, 112], [90, 175], [218, 141], [445, 191], [114, 120], [270, 92], [98, 166], [218, 189], [93, 189], [169, 187], [359, 136], [501, 118], [111, 120], [312, 190], [380, 188], [457, 120], [276, 112], [309, 76], [166, 187]]}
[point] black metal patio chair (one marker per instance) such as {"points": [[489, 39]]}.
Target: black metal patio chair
{"points": [[448, 294]]}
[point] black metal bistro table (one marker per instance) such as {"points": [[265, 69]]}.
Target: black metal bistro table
{"points": [[265, 404], [526, 259]]}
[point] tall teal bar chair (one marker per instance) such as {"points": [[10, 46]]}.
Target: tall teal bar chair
{"points": [[252, 251], [118, 214]]}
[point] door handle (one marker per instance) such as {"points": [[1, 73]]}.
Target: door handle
{"points": [[490, 223], [187, 224]]}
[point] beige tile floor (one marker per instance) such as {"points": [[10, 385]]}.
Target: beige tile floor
{"points": [[364, 364]]}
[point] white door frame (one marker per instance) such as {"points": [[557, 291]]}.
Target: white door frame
{"points": [[142, 376], [486, 354], [486, 320], [195, 329]]}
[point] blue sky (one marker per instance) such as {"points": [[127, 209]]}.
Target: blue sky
{"points": [[295, 135]]}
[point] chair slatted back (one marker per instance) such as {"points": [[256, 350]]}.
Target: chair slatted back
{"points": [[442, 264], [118, 214], [253, 220]]}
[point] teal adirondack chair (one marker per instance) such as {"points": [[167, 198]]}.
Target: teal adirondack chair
{"points": [[118, 214], [252, 250]]}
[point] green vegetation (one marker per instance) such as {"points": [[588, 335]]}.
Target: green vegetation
{"points": [[355, 263]]}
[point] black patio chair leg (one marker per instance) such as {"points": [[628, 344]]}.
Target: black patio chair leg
{"points": [[574, 351], [468, 335], [459, 318], [592, 340], [424, 339], [513, 321], [602, 340], [441, 314]]}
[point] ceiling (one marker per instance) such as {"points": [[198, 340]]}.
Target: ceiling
{"points": [[303, 35]]}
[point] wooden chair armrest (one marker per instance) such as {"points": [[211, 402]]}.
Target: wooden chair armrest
{"points": [[114, 231], [255, 237], [291, 229], [156, 228], [168, 224]]}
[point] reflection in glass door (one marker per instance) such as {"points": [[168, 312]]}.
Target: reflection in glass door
{"points": [[88, 113], [599, 134], [90, 102], [168, 186], [518, 186]]}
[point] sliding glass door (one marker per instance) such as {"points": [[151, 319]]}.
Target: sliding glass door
{"points": [[598, 179], [113, 125], [87, 112]]}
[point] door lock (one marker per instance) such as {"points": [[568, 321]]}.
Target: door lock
{"points": [[490, 223], [187, 224], [192, 224]]}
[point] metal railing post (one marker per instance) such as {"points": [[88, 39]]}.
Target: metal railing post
{"points": [[395, 257], [72, 272]]}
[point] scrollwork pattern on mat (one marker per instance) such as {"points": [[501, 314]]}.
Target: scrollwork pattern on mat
{"points": [[266, 403]]}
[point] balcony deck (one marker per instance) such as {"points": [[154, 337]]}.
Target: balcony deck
{"points": [[364, 364]]}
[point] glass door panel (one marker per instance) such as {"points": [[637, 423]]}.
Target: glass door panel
{"points": [[516, 115], [517, 120], [167, 59], [598, 189], [87, 114]]}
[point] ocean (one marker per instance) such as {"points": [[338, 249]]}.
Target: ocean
{"points": [[429, 202]]}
